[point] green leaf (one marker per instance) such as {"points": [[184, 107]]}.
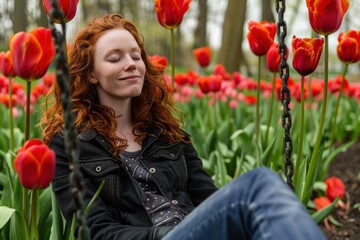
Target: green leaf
{"points": [[210, 142], [266, 155], [45, 221], [5, 215], [87, 210], [57, 221], [300, 183], [221, 170], [320, 215], [311, 175], [17, 223]]}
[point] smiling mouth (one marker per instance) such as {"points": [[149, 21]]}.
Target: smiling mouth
{"points": [[130, 77]]}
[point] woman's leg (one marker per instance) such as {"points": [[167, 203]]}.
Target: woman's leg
{"points": [[256, 205]]}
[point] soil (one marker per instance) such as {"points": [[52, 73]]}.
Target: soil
{"points": [[346, 166]]}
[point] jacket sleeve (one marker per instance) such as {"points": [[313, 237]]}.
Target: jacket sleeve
{"points": [[200, 184], [102, 226]]}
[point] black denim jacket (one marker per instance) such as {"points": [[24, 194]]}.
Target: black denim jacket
{"points": [[119, 212]]}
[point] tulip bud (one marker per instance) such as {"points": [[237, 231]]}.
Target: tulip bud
{"points": [[307, 53], [348, 49], [6, 66], [334, 188], [68, 7], [326, 16], [203, 56], [170, 13], [35, 164], [321, 202], [32, 53], [261, 36]]}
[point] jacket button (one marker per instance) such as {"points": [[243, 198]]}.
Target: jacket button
{"points": [[152, 170], [98, 169], [174, 202], [172, 155]]}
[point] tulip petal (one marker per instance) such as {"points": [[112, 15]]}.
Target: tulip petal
{"points": [[26, 53], [47, 169], [303, 62], [27, 169]]}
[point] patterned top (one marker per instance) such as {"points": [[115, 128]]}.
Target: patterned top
{"points": [[161, 211]]}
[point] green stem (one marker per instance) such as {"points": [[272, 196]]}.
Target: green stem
{"points": [[315, 158], [210, 122], [27, 110], [215, 113], [271, 109], [11, 123], [301, 136], [257, 117], [27, 136], [333, 125], [310, 102], [33, 213], [172, 58]]}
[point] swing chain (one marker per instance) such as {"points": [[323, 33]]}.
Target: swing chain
{"points": [[70, 137], [285, 92]]}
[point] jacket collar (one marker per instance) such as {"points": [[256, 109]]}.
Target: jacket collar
{"points": [[90, 134]]}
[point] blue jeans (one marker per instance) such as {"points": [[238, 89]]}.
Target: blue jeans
{"points": [[256, 205]]}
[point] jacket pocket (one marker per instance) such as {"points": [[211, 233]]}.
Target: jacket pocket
{"points": [[104, 169], [99, 167], [171, 158]]}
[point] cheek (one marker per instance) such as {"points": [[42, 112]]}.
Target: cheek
{"points": [[142, 68]]}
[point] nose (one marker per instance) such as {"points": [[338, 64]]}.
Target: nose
{"points": [[130, 64]]}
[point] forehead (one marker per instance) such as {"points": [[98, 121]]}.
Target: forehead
{"points": [[118, 38]]}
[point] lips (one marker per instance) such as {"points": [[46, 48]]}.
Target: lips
{"points": [[129, 77]]}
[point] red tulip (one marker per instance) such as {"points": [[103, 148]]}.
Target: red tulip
{"points": [[326, 15], [307, 53], [250, 99], [334, 84], [210, 83], [170, 13], [68, 7], [261, 36], [273, 58], [159, 61], [5, 99], [334, 188], [32, 53], [35, 164], [181, 78], [203, 56], [321, 202], [6, 66], [348, 49]]}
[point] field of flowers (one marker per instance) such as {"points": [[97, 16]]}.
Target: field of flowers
{"points": [[237, 123]]}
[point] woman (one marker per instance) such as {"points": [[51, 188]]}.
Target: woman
{"points": [[154, 180]]}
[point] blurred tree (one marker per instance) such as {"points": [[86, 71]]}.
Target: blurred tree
{"points": [[231, 54], [42, 20], [104, 5], [84, 11], [19, 16], [267, 12], [200, 35]]}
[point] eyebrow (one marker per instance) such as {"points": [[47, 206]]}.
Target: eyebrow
{"points": [[117, 50]]}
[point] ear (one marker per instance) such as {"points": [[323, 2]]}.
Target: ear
{"points": [[93, 79]]}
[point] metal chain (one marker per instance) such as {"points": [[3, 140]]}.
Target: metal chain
{"points": [[284, 92], [70, 136]]}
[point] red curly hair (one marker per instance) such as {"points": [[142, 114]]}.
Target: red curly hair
{"points": [[152, 108]]}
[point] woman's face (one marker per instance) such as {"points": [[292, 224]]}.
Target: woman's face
{"points": [[119, 70]]}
